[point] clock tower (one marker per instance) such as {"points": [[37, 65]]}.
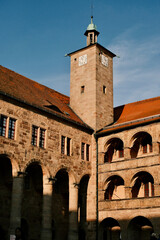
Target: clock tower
{"points": [[91, 81]]}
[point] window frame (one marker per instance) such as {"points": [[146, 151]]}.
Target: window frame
{"points": [[3, 127], [37, 139]]}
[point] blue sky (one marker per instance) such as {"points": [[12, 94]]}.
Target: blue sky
{"points": [[36, 34]]}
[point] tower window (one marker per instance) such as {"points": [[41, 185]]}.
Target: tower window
{"points": [[82, 89], [104, 89], [91, 38]]}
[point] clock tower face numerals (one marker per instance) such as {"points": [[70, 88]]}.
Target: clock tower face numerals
{"points": [[104, 60], [83, 60]]}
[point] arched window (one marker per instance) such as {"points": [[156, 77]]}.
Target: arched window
{"points": [[114, 188], [114, 150], [142, 144], [143, 185]]}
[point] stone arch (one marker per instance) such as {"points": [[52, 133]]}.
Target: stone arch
{"points": [[60, 202], [82, 206], [33, 198], [139, 228], [14, 163], [109, 229], [142, 185], [114, 188], [140, 143], [6, 185], [113, 149]]}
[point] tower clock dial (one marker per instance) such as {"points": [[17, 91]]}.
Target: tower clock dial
{"points": [[83, 60], [104, 60]]}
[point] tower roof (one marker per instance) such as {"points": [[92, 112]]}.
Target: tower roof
{"points": [[91, 28]]}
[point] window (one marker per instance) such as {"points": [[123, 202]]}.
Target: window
{"points": [[91, 38], [3, 124], [82, 151], [34, 135], [85, 151], [62, 144], [104, 89], [7, 127], [11, 130], [82, 89], [38, 136], [66, 145], [42, 138]]}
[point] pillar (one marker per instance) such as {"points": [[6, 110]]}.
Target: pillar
{"points": [[46, 232], [15, 217], [73, 211]]}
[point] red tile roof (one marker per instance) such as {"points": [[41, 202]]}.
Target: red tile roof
{"points": [[37, 95], [133, 114]]}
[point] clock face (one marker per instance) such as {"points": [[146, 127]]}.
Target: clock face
{"points": [[104, 60], [83, 60]]}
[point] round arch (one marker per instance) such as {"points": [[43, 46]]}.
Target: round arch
{"points": [[139, 228], [109, 229]]}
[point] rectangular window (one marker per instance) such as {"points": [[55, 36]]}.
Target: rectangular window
{"points": [[42, 138], [63, 145], [82, 89], [87, 152], [82, 151], [11, 129], [34, 135], [104, 89], [3, 125], [68, 146]]}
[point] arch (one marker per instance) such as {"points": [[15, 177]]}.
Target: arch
{"points": [[114, 150], [15, 166], [109, 229], [141, 143], [32, 199], [114, 188], [142, 185], [139, 228], [60, 203], [6, 182], [82, 206]]}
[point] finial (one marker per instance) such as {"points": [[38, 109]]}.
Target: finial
{"points": [[91, 19]]}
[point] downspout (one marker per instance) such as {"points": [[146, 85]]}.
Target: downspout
{"points": [[97, 215]]}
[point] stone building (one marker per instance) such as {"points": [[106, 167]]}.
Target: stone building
{"points": [[77, 168]]}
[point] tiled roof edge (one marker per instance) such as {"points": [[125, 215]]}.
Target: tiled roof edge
{"points": [[129, 124], [49, 112]]}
